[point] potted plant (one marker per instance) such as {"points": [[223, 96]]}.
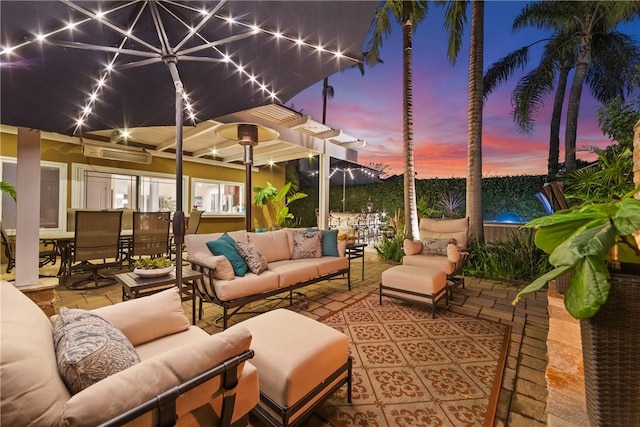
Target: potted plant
{"points": [[596, 243], [153, 267]]}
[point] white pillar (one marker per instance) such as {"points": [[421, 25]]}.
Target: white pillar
{"points": [[323, 191], [28, 207]]}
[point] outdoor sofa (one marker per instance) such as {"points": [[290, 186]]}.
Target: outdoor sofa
{"points": [[291, 260], [183, 373]]}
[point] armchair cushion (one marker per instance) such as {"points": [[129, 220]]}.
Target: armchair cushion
{"points": [[453, 252], [89, 349], [445, 229], [411, 247], [146, 319], [161, 372]]}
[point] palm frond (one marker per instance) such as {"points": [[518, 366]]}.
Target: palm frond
{"points": [[615, 57], [528, 96], [454, 22], [504, 68]]}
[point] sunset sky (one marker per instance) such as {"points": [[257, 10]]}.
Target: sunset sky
{"points": [[370, 107]]}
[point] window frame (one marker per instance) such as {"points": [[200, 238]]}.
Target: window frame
{"points": [[210, 214]]}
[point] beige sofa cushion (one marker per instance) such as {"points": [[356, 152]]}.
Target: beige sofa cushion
{"points": [[198, 242], [329, 264], [32, 390], [249, 284], [294, 271], [145, 319], [274, 245]]}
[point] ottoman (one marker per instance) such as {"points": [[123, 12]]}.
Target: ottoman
{"points": [[301, 363], [413, 283]]}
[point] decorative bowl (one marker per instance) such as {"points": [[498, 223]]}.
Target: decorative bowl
{"points": [[155, 272]]}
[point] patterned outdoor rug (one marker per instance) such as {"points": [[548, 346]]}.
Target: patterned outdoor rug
{"points": [[411, 370]]}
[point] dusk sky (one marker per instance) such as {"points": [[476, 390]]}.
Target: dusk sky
{"points": [[370, 107]]}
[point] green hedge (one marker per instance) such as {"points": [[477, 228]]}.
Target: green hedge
{"points": [[509, 197]]}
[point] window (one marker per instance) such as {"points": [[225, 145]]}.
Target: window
{"points": [[53, 194], [97, 187], [218, 197]]}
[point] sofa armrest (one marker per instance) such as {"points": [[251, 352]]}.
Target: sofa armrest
{"points": [[128, 394]]}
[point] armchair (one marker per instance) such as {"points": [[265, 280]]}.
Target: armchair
{"points": [[185, 376], [438, 233]]}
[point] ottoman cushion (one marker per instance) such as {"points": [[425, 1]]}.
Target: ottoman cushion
{"points": [[415, 279], [293, 353]]}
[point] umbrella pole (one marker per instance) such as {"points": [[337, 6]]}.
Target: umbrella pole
{"points": [[178, 217]]}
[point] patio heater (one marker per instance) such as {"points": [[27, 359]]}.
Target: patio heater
{"points": [[248, 135]]}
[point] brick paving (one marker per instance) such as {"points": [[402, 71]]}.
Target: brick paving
{"points": [[523, 396]]}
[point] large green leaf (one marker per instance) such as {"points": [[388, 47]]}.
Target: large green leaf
{"points": [[541, 281], [594, 239], [627, 219], [549, 237], [588, 288]]}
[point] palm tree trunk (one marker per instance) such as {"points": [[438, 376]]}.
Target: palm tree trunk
{"points": [[325, 89], [556, 117], [583, 60], [573, 109], [474, 146], [410, 207]]}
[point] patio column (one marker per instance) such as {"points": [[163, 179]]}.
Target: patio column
{"points": [[323, 190], [28, 207]]}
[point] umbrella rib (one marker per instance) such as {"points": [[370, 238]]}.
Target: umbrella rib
{"points": [[202, 23], [218, 42], [140, 63], [77, 45], [112, 26]]}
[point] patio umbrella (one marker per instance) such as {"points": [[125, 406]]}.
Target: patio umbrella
{"points": [[76, 66]]}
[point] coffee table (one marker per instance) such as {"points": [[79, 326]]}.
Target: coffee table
{"points": [[134, 286]]}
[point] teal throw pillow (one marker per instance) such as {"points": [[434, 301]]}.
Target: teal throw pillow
{"points": [[229, 251], [329, 241]]}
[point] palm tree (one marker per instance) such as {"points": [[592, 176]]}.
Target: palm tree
{"points": [[614, 57], [455, 20], [584, 21], [327, 93], [408, 14]]}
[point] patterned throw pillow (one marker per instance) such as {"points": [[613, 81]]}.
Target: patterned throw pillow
{"points": [[256, 262], [307, 244], [436, 247], [89, 349]]}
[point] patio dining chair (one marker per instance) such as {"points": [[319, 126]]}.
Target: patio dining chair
{"points": [[48, 253], [96, 245], [150, 235]]}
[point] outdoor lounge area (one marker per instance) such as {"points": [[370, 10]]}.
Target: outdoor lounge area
{"points": [[522, 397]]}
